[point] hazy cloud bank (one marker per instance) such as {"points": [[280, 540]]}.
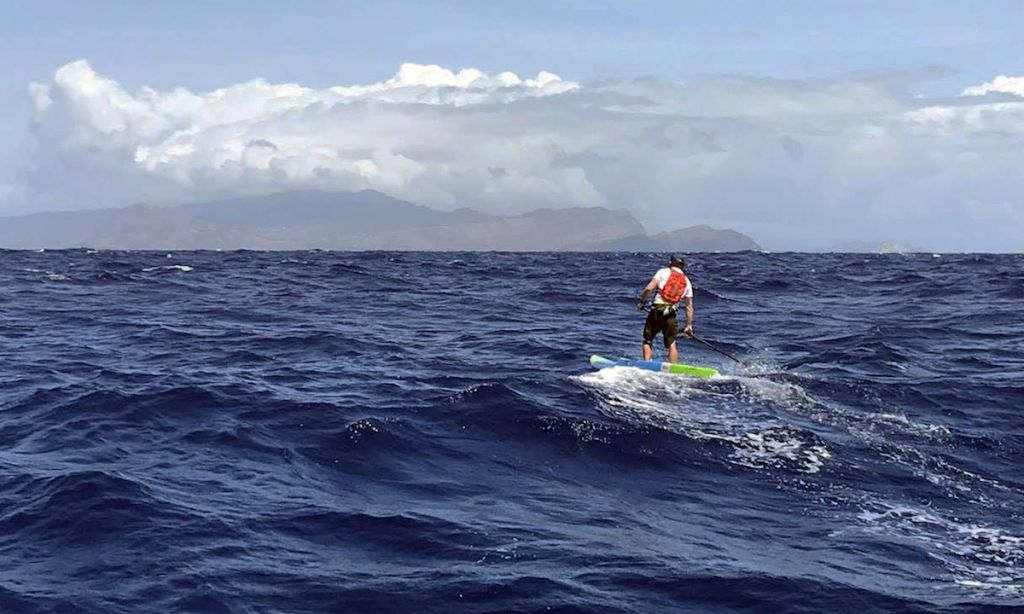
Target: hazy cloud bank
{"points": [[792, 161]]}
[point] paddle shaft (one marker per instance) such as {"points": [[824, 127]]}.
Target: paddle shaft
{"points": [[710, 346]]}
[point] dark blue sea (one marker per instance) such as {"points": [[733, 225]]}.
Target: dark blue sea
{"points": [[257, 432]]}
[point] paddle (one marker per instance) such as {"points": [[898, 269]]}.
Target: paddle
{"points": [[722, 352]]}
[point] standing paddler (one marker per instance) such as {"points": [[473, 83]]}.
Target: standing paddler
{"points": [[671, 286]]}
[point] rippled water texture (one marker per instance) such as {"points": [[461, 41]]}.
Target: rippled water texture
{"points": [[327, 432]]}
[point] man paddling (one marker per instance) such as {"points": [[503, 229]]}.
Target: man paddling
{"points": [[670, 285]]}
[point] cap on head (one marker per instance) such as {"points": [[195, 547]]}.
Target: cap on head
{"points": [[677, 262]]}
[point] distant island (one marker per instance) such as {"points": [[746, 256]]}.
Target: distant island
{"points": [[873, 247], [365, 220]]}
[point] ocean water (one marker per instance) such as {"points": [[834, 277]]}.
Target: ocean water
{"points": [[394, 432]]}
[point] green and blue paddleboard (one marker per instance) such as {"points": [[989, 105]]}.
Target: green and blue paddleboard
{"points": [[600, 362]]}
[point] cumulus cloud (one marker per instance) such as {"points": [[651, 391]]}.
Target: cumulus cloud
{"points": [[1001, 84], [795, 162]]}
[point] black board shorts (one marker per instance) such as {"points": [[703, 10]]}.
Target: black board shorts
{"points": [[659, 322]]}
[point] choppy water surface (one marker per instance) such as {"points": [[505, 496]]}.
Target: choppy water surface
{"points": [[320, 432]]}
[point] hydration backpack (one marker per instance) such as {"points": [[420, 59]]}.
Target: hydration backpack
{"points": [[674, 288]]}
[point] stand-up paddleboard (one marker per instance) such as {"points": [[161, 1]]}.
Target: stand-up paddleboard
{"points": [[600, 362]]}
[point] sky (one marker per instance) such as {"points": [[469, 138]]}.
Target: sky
{"points": [[803, 124]]}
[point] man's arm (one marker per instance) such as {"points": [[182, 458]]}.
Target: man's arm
{"points": [[688, 329], [650, 287]]}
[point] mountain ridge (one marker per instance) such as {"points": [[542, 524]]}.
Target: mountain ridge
{"points": [[366, 220]]}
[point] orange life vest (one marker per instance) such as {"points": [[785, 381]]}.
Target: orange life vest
{"points": [[675, 287]]}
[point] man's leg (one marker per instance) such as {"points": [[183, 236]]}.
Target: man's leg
{"points": [[650, 330], [669, 332]]}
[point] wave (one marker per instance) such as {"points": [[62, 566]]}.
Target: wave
{"points": [[84, 507], [708, 412]]}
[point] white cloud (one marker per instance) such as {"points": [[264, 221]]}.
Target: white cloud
{"points": [[791, 160], [1001, 84]]}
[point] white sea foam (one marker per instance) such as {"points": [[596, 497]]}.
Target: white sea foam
{"points": [[782, 393], [657, 394], [905, 424], [173, 267], [978, 557], [724, 409]]}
